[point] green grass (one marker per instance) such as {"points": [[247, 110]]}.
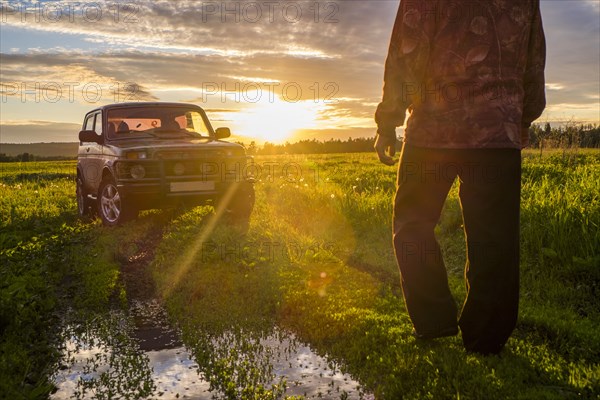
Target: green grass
{"points": [[55, 271], [315, 261]]}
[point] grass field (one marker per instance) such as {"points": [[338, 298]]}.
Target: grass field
{"points": [[315, 261]]}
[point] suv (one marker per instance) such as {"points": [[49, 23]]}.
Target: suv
{"points": [[135, 156]]}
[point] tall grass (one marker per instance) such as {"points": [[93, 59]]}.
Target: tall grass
{"points": [[341, 294], [51, 266], [561, 210], [316, 261]]}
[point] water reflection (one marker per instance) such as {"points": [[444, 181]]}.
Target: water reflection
{"points": [[176, 375], [310, 375], [103, 361], [138, 355]]}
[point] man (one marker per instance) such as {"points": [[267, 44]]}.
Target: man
{"points": [[471, 75]]}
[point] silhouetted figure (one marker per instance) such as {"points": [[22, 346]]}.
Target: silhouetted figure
{"points": [[123, 127], [471, 75]]}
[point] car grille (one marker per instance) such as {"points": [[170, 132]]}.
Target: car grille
{"points": [[207, 168]]}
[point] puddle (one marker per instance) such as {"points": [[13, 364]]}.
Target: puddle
{"points": [[139, 355], [140, 346], [307, 374], [173, 374]]}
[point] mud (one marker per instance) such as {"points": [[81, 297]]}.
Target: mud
{"points": [[138, 353]]}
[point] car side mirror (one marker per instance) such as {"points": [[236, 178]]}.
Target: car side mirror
{"points": [[222, 133], [89, 136]]}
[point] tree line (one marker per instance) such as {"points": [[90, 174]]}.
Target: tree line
{"points": [[26, 157], [540, 137], [568, 136]]}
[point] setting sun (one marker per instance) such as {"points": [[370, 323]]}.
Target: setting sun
{"points": [[276, 121]]}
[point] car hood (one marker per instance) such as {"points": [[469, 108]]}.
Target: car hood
{"points": [[155, 148]]}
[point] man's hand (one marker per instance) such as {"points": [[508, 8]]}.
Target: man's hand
{"points": [[385, 145], [524, 137]]}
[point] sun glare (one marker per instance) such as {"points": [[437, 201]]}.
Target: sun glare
{"points": [[276, 120]]}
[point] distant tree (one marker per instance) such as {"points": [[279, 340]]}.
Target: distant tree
{"points": [[546, 133], [5, 158], [251, 149], [535, 135]]}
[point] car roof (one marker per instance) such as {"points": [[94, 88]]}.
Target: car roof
{"points": [[143, 104]]}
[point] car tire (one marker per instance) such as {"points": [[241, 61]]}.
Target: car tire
{"points": [[241, 205], [112, 207], [84, 204]]}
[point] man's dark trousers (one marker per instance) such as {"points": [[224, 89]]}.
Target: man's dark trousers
{"points": [[490, 181]]}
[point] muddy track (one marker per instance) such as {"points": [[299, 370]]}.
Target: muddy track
{"points": [[135, 273], [146, 337], [153, 330]]}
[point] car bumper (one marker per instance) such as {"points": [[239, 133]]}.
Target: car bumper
{"points": [[166, 193]]}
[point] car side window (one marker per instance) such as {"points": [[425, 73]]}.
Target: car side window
{"points": [[89, 123], [98, 123]]}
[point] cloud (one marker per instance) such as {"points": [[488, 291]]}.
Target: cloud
{"points": [[221, 82], [38, 131], [554, 86], [573, 43], [330, 52], [301, 28]]}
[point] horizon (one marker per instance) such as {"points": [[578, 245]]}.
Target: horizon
{"points": [[262, 144], [288, 72]]}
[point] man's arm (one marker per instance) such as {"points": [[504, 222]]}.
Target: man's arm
{"points": [[404, 67], [534, 81], [407, 59], [391, 111]]}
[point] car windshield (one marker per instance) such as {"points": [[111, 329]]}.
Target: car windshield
{"points": [[158, 122]]}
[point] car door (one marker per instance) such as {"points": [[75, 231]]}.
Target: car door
{"points": [[91, 154]]}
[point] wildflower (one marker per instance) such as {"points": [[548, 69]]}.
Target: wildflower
{"points": [[332, 195]]}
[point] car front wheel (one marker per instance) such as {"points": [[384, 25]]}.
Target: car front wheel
{"points": [[112, 207]]}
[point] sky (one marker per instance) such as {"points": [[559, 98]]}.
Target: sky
{"points": [[270, 70]]}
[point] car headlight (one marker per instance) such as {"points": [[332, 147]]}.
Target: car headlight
{"points": [[179, 169], [137, 155], [137, 171]]}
